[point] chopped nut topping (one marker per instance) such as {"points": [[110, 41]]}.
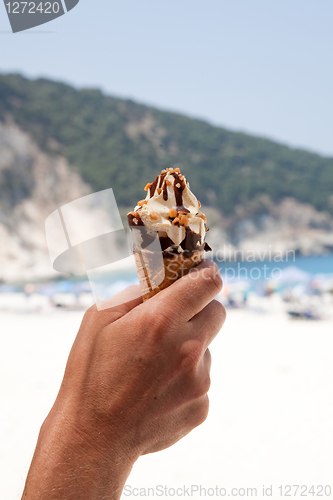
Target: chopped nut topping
{"points": [[159, 190], [168, 183], [147, 186], [177, 170], [181, 177], [183, 220], [170, 170], [142, 202], [175, 220], [154, 215], [204, 218], [199, 204], [172, 213], [178, 185], [136, 215], [163, 171], [207, 228]]}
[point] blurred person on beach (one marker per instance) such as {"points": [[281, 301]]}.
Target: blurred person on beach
{"points": [[136, 382]]}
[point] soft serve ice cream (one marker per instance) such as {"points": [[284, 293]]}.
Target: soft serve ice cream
{"points": [[171, 209]]}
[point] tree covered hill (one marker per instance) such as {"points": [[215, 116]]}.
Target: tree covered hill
{"points": [[121, 144]]}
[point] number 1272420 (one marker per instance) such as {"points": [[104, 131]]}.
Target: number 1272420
{"points": [[33, 7]]}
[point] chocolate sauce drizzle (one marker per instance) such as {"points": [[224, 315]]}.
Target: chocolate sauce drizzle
{"points": [[165, 191], [179, 193], [162, 177], [158, 183], [153, 186], [130, 219], [189, 245]]}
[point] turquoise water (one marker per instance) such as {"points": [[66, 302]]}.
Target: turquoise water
{"points": [[259, 271], [313, 265], [254, 273]]}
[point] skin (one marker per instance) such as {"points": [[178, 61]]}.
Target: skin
{"points": [[136, 382]]}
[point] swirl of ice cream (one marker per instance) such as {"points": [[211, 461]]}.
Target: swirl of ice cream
{"points": [[171, 209]]}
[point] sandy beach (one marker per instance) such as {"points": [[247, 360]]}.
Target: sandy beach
{"points": [[271, 415]]}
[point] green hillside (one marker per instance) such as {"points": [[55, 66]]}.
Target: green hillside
{"points": [[120, 144]]}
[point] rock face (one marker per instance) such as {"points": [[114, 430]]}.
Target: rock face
{"points": [[288, 226], [32, 185]]}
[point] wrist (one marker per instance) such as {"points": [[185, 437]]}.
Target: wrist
{"points": [[71, 462]]}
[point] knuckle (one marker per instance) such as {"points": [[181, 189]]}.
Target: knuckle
{"points": [[191, 354], [195, 381], [219, 312], [199, 387], [204, 385], [202, 410]]}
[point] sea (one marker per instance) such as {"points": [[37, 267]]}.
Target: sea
{"points": [[288, 271], [315, 266]]}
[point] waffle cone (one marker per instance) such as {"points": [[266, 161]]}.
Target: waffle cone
{"points": [[155, 275]]}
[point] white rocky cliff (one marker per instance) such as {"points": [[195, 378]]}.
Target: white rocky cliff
{"points": [[32, 185]]}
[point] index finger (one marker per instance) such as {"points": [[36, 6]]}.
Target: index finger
{"points": [[190, 294]]}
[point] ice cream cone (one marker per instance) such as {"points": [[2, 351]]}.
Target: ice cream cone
{"points": [[168, 230], [154, 279]]}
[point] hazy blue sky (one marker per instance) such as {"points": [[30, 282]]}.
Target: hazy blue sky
{"points": [[260, 66]]}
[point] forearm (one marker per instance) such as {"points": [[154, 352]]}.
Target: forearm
{"points": [[68, 466]]}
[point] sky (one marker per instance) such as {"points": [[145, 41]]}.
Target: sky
{"points": [[264, 67]]}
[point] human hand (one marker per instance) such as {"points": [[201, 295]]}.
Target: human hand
{"points": [[137, 376]]}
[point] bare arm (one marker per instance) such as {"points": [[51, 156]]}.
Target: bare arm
{"points": [[136, 382]]}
